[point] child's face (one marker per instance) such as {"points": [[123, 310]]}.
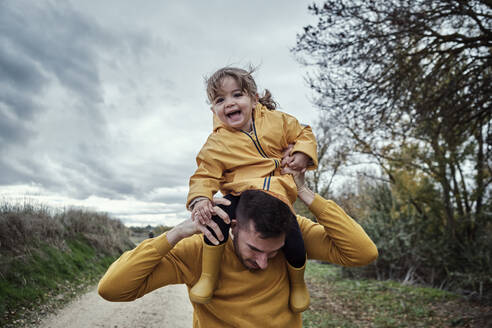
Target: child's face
{"points": [[233, 106]]}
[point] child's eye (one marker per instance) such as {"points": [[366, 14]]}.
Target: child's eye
{"points": [[219, 100], [238, 94]]}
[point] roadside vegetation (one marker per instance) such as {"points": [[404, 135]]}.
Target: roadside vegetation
{"points": [[338, 301], [405, 130], [137, 234], [48, 257]]}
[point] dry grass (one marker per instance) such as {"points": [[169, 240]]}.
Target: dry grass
{"points": [[46, 255], [24, 226]]}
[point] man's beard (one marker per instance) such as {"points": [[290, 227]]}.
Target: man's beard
{"points": [[235, 241]]}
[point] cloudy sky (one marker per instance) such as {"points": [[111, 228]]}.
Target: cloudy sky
{"points": [[102, 103]]}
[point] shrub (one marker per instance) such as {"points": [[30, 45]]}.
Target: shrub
{"points": [[24, 227], [416, 250], [45, 255], [104, 233]]}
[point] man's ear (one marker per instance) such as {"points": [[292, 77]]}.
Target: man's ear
{"points": [[234, 227]]}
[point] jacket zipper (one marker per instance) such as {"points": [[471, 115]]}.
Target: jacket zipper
{"points": [[256, 142]]}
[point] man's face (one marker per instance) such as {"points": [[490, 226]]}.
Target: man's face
{"points": [[254, 251]]}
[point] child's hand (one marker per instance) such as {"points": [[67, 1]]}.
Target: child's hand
{"points": [[202, 211], [298, 176], [298, 161]]}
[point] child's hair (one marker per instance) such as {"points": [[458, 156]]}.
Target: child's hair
{"points": [[245, 81]]}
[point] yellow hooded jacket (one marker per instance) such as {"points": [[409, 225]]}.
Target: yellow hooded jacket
{"points": [[233, 160]]}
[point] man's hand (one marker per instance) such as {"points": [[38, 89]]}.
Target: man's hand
{"points": [[303, 192], [191, 227], [298, 176]]}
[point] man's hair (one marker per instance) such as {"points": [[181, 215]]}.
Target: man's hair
{"points": [[271, 216]]}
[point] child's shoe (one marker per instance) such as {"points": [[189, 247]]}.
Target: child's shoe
{"points": [[299, 294], [203, 290]]}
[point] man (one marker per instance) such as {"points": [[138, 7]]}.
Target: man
{"points": [[253, 288]]}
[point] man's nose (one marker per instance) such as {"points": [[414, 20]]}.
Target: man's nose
{"points": [[262, 261]]}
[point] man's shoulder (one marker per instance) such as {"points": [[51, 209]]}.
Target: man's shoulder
{"points": [[301, 219], [189, 247], [304, 223], [192, 241]]}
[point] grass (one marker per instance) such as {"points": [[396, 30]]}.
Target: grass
{"points": [[78, 246], [48, 257], [48, 274], [340, 302]]}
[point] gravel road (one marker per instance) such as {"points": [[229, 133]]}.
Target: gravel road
{"points": [[165, 307]]}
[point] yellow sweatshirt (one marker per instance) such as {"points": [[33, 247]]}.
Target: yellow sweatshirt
{"points": [[242, 298], [233, 161]]}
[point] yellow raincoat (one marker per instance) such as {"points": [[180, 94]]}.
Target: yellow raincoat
{"points": [[233, 160]]}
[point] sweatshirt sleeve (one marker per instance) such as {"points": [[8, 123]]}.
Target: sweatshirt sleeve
{"points": [[205, 182], [151, 265], [336, 238], [303, 139]]}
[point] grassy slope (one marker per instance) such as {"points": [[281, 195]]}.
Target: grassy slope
{"points": [[47, 278], [47, 259], [339, 302]]}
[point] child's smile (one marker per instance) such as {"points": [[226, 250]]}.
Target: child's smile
{"points": [[234, 115]]}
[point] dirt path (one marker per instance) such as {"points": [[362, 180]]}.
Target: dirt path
{"points": [[165, 307]]}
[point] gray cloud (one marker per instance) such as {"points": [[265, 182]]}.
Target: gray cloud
{"points": [[55, 39], [105, 100], [18, 70], [12, 129], [9, 176], [51, 51], [41, 43]]}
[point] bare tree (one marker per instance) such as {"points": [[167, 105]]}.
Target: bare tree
{"points": [[408, 84]]}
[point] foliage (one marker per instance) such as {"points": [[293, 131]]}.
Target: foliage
{"points": [[140, 230], [414, 250], [332, 156], [340, 302], [406, 86], [301, 209], [46, 256], [24, 226], [46, 275], [105, 234], [160, 229], [375, 60]]}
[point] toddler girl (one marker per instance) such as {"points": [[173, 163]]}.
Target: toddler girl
{"points": [[243, 152]]}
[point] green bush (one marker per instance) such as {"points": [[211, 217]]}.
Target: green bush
{"points": [[417, 250]]}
